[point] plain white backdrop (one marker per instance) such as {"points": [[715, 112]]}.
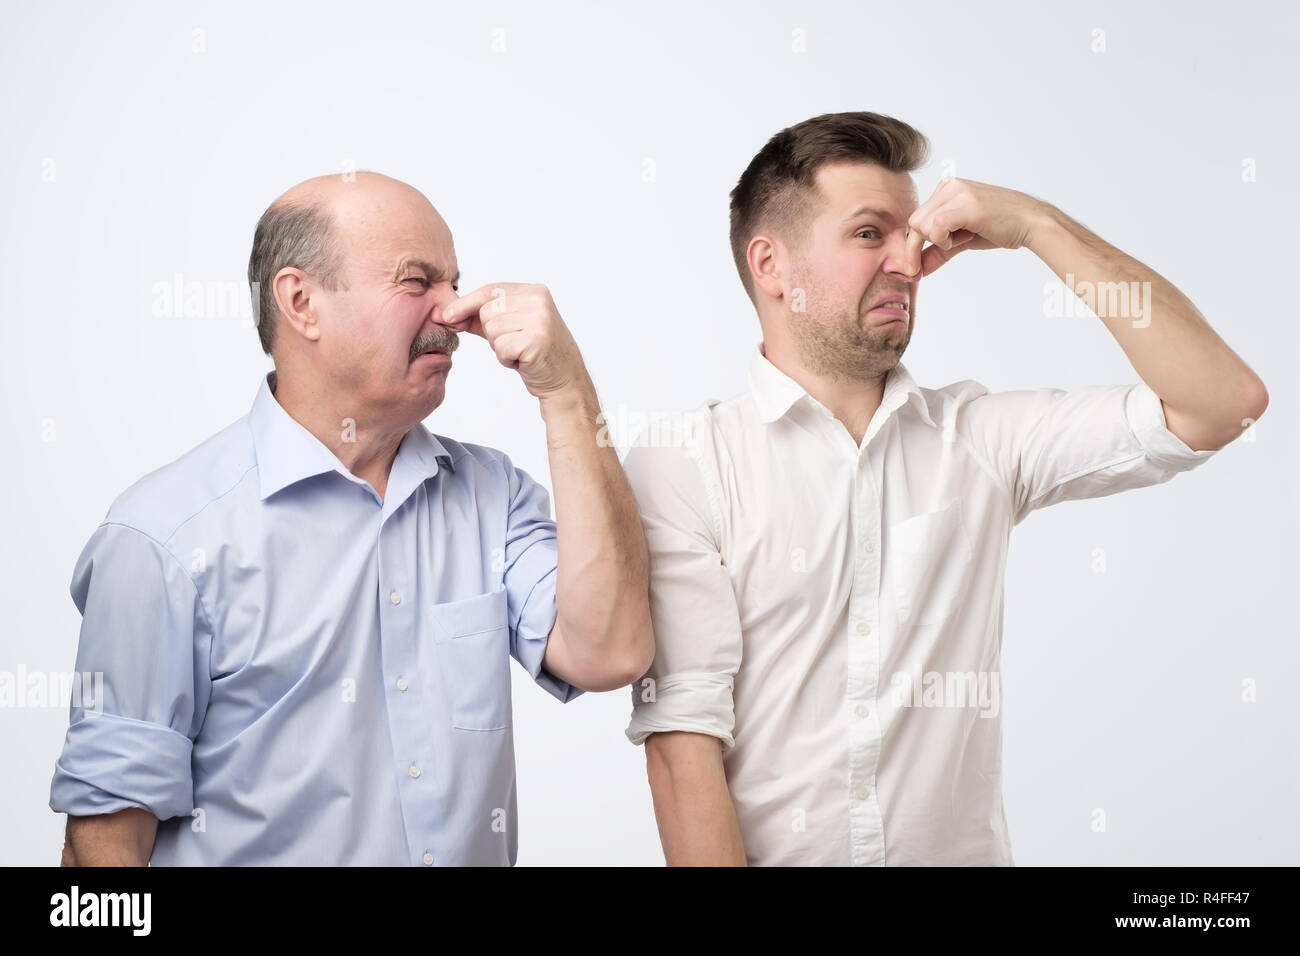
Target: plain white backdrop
{"points": [[592, 147]]}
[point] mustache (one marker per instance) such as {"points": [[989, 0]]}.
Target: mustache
{"points": [[436, 338]]}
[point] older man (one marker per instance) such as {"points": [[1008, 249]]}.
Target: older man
{"points": [[305, 623]]}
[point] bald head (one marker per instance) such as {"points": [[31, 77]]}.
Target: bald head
{"points": [[351, 275], [317, 225], [358, 184]]}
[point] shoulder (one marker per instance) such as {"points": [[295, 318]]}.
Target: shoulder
{"points": [[675, 461], [667, 442], [162, 501], [487, 471]]}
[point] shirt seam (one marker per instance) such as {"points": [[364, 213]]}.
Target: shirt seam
{"points": [[207, 504], [1007, 487], [696, 455], [1089, 470]]}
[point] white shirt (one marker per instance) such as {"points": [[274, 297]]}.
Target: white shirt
{"points": [[833, 612]]}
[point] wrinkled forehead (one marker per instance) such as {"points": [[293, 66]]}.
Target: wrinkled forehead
{"points": [[848, 190]]}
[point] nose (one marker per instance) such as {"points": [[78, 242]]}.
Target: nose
{"points": [[443, 295], [896, 257]]}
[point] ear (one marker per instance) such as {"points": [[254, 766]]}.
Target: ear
{"points": [[293, 290], [764, 256]]}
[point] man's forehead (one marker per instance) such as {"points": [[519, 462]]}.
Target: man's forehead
{"points": [[427, 245], [851, 190]]}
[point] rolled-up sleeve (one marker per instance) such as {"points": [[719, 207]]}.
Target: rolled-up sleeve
{"points": [[692, 603], [531, 570], [1051, 445], [145, 645]]}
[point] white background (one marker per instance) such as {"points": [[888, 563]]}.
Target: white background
{"points": [[1122, 691]]}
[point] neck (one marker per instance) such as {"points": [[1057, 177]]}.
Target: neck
{"points": [[364, 444], [853, 403]]}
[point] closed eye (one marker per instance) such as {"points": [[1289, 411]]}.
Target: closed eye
{"points": [[424, 283]]}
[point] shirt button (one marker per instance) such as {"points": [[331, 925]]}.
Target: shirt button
{"points": [[414, 771], [427, 859], [861, 710], [395, 598], [861, 793], [401, 683], [869, 546], [864, 628]]}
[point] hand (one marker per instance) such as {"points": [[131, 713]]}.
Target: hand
{"points": [[965, 215], [525, 330]]}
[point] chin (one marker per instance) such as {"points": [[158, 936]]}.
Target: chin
{"points": [[433, 401]]}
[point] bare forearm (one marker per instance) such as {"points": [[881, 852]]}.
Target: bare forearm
{"points": [[124, 838], [693, 806], [602, 591], [1172, 347]]}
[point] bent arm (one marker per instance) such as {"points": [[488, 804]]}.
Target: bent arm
{"points": [[1210, 395], [602, 639]]}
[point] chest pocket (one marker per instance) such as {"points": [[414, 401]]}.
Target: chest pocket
{"points": [[931, 555], [473, 646]]}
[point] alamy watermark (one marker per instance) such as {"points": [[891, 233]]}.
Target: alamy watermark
{"points": [[624, 428], [1107, 300], [24, 688], [181, 298], [977, 689]]}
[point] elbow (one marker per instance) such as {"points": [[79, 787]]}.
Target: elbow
{"points": [[613, 667], [616, 653], [636, 642], [1251, 400], [1238, 414], [637, 659], [1256, 400], [642, 656]]}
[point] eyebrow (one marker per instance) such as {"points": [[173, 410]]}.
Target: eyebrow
{"points": [[432, 271], [870, 211]]}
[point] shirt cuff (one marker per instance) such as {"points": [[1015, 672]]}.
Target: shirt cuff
{"points": [[534, 632], [110, 763], [700, 703], [1146, 417]]}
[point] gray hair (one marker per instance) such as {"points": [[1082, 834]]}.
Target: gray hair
{"points": [[293, 234]]}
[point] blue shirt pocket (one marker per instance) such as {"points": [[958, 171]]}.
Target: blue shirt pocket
{"points": [[473, 642]]}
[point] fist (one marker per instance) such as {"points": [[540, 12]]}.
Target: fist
{"points": [[962, 215], [525, 331]]}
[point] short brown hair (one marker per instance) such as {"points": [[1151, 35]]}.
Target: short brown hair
{"points": [[773, 189]]}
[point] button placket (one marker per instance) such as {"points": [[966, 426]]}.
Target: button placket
{"points": [[399, 622], [866, 824]]}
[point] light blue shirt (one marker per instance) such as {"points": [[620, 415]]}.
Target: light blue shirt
{"points": [[299, 672]]}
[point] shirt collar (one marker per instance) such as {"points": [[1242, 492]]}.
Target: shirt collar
{"points": [[775, 393], [287, 452]]}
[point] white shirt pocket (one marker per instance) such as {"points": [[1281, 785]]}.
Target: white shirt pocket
{"points": [[473, 647], [931, 555]]}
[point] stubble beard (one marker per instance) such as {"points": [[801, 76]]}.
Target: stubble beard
{"points": [[845, 348]]}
